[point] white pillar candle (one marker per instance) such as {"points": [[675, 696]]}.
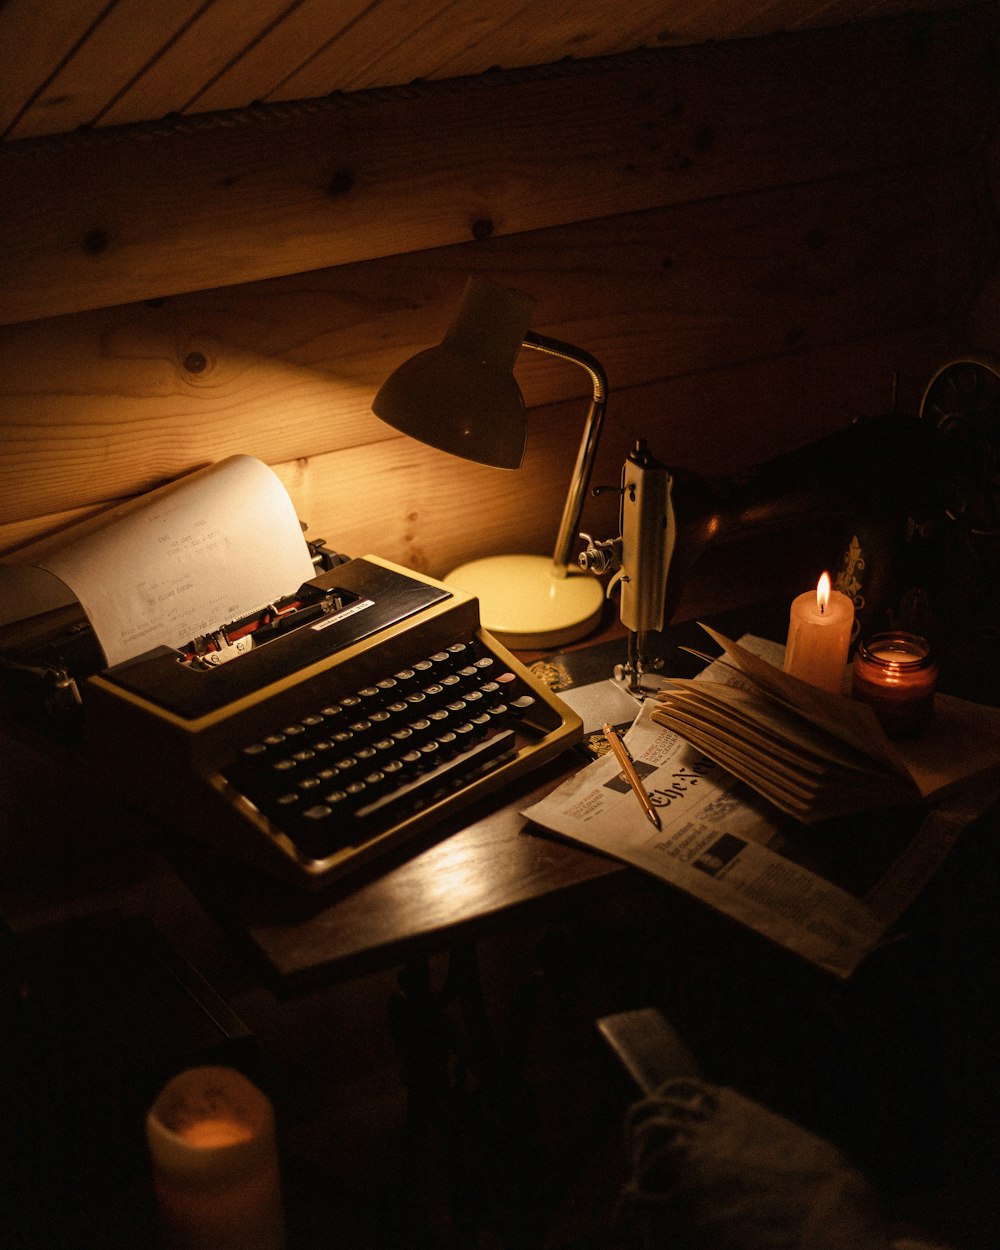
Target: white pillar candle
{"points": [[215, 1164], [819, 634]]}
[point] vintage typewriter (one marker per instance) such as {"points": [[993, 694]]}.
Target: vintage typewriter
{"points": [[317, 733]]}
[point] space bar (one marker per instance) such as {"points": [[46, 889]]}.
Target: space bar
{"points": [[460, 766]]}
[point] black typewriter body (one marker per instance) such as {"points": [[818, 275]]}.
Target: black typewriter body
{"points": [[335, 740]]}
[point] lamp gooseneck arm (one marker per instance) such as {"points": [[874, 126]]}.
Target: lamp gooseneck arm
{"points": [[573, 507]]}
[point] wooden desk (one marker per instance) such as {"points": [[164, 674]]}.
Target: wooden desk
{"points": [[70, 845], [484, 867], [880, 1064]]}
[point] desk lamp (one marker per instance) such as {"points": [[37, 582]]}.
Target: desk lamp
{"points": [[461, 397]]}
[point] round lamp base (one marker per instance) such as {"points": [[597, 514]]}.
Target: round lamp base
{"points": [[525, 605]]}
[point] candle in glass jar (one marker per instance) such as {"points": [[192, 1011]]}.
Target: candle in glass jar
{"points": [[896, 675], [819, 634], [211, 1138]]}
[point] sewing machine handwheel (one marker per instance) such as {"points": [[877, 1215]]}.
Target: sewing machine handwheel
{"points": [[963, 402]]}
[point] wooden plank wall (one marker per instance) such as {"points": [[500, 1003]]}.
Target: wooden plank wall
{"points": [[752, 237]]}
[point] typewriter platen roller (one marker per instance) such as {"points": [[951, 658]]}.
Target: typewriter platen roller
{"points": [[332, 739]]}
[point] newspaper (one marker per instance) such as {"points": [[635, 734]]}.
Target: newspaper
{"points": [[827, 892]]}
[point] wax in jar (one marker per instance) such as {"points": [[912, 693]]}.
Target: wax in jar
{"points": [[896, 675], [211, 1138], [819, 635], [218, 1132]]}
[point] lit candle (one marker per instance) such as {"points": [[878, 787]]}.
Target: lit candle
{"points": [[819, 634], [215, 1165], [896, 674]]}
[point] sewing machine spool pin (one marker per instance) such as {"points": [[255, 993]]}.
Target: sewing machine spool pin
{"points": [[641, 554]]}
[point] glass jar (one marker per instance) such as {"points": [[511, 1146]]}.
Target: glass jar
{"points": [[896, 674]]}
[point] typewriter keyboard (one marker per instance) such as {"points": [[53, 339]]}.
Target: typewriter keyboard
{"points": [[350, 768]]}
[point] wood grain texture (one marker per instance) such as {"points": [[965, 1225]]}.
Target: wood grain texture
{"points": [[105, 404], [360, 177], [33, 44], [268, 62], [107, 61], [482, 868], [430, 511], [197, 55], [128, 37], [732, 327]]}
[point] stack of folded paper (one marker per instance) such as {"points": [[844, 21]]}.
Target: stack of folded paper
{"points": [[815, 754]]}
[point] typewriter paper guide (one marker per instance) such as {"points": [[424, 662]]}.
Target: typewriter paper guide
{"points": [[172, 565]]}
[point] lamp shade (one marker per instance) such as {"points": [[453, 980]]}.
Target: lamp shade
{"points": [[461, 396]]}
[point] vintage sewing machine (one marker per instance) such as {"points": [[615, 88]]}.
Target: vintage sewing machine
{"points": [[913, 500]]}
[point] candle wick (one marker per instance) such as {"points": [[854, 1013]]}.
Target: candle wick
{"points": [[822, 608]]}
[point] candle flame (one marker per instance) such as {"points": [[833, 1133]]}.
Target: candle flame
{"points": [[823, 592]]}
